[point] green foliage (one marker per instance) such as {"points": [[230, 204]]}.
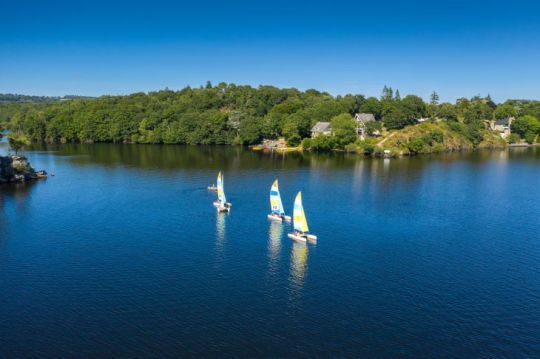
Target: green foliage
{"points": [[513, 138], [372, 126], [434, 98], [416, 145], [232, 114], [17, 142], [306, 143], [344, 129], [323, 143], [433, 137], [526, 127], [504, 111]]}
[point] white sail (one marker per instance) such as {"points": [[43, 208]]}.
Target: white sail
{"points": [[299, 216], [275, 199]]}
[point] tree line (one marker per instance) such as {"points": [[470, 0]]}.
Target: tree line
{"points": [[234, 114]]}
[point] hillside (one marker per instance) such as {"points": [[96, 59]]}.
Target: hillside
{"points": [[229, 114]]}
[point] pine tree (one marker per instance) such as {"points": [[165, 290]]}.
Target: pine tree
{"points": [[397, 96], [387, 93], [434, 98]]}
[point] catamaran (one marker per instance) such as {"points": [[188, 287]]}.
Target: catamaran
{"points": [[301, 228], [276, 206], [221, 203]]}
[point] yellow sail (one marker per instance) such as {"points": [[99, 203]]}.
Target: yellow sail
{"points": [[299, 216], [221, 192]]}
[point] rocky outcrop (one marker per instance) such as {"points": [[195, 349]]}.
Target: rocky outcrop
{"points": [[17, 169]]}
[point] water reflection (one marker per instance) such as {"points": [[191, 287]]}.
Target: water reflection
{"points": [[274, 244], [221, 224], [299, 257]]}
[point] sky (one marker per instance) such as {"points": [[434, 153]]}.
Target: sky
{"points": [[457, 48]]}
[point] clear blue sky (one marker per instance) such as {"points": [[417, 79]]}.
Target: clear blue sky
{"points": [[459, 48]]}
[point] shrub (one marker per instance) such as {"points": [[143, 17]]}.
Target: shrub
{"points": [[306, 143], [530, 137], [323, 143], [416, 145], [351, 147], [513, 138]]}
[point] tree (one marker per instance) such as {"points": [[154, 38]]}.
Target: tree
{"points": [[372, 105], [387, 93], [397, 96], [413, 107], [504, 111], [344, 129], [527, 127], [434, 98], [17, 142]]}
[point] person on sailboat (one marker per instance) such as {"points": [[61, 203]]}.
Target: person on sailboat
{"points": [[276, 206]]}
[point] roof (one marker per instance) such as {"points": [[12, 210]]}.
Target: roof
{"points": [[322, 127], [365, 117], [502, 122]]}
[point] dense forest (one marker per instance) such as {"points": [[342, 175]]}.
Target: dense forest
{"points": [[233, 114]]}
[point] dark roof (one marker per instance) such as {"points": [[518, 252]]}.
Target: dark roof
{"points": [[322, 127], [502, 122]]}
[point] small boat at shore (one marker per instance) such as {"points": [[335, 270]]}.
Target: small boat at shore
{"points": [[276, 205], [301, 229], [221, 203]]}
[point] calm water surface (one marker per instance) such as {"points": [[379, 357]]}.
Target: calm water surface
{"points": [[123, 254]]}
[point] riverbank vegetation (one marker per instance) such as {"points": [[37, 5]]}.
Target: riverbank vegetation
{"points": [[232, 114]]}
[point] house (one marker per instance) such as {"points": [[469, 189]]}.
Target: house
{"points": [[364, 117], [361, 120], [324, 128], [502, 126]]}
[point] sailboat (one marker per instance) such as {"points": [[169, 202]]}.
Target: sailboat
{"points": [[276, 206], [301, 228], [221, 203]]}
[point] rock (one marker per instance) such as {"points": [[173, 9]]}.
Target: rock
{"points": [[17, 169]]}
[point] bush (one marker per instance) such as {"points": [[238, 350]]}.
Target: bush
{"points": [[294, 140], [530, 137], [306, 143], [351, 147], [323, 143], [416, 145], [513, 138]]}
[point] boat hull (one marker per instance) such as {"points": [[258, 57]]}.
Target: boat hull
{"points": [[302, 237], [297, 237], [275, 218], [222, 208]]}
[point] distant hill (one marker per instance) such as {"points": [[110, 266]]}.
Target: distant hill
{"points": [[17, 98]]}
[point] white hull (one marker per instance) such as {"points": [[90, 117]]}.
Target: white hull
{"points": [[222, 208], [302, 237], [275, 218], [218, 204], [297, 237], [279, 219]]}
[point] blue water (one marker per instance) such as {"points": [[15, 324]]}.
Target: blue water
{"points": [[121, 253]]}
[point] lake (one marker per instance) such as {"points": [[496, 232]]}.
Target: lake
{"points": [[122, 253]]}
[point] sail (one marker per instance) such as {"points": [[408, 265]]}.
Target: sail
{"points": [[275, 199], [299, 217], [220, 191]]}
